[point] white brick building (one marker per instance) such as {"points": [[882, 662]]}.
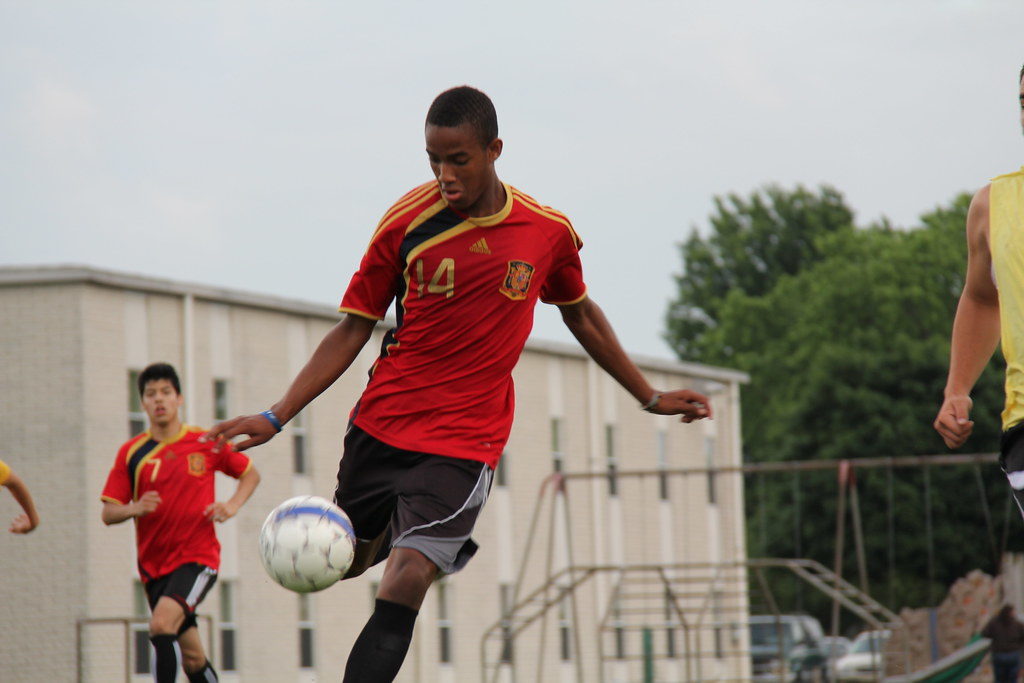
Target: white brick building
{"points": [[70, 339]]}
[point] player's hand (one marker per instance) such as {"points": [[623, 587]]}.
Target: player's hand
{"points": [[953, 422], [22, 524], [690, 404], [256, 427], [220, 512], [147, 503]]}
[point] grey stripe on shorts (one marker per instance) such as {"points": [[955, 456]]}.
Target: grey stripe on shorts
{"points": [[449, 554]]}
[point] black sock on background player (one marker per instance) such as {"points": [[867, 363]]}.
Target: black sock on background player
{"points": [[166, 658], [380, 649]]}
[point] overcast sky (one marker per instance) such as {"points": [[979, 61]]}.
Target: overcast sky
{"points": [[255, 145]]}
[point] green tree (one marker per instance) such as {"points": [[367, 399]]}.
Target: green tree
{"points": [[752, 243], [847, 357]]}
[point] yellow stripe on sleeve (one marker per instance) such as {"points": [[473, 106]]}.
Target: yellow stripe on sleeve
{"points": [[361, 314]]}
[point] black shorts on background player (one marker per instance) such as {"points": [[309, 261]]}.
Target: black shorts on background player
{"points": [[187, 585]]}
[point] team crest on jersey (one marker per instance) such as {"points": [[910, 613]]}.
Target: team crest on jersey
{"points": [[517, 280], [196, 464]]}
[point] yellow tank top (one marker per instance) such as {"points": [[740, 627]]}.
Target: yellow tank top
{"points": [[1006, 243], [5, 472]]}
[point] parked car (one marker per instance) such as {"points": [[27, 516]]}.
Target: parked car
{"points": [[864, 660], [835, 647], [787, 647]]}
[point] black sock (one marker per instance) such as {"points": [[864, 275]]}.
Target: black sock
{"points": [[166, 657], [205, 675], [380, 649]]}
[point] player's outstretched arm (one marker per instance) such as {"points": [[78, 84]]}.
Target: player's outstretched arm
{"points": [[975, 328], [591, 328], [29, 519], [332, 357], [247, 483]]}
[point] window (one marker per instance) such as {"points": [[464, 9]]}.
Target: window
{"points": [[619, 630], [142, 650], [501, 472], [662, 465], [709, 457], [610, 459], [227, 626], [136, 416], [557, 455], [300, 461], [305, 632], [670, 624], [716, 616], [220, 399], [506, 623], [444, 624], [564, 630]]}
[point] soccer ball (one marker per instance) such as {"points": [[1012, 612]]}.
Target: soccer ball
{"points": [[307, 544]]}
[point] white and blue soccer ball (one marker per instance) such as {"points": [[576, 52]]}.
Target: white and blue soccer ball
{"points": [[307, 544]]}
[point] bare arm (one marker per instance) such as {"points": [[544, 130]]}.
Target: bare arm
{"points": [[222, 512], [335, 354], [115, 513], [975, 328], [29, 520], [591, 328]]}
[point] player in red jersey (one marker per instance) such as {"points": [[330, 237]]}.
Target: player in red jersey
{"points": [[465, 257], [164, 479]]}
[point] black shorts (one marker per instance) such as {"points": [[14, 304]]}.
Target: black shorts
{"points": [[1011, 459], [1011, 449], [416, 500], [187, 585]]}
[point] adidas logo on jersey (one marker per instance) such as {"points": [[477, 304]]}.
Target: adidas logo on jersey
{"points": [[480, 247]]}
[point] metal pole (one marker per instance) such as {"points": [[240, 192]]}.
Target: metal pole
{"points": [[858, 534], [797, 538], [843, 475], [578, 658], [552, 527], [925, 461], [762, 518], [928, 535], [988, 518], [78, 650], [128, 652], [648, 641], [770, 599], [891, 536]]}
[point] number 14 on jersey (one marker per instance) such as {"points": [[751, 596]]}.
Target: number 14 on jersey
{"points": [[442, 281]]}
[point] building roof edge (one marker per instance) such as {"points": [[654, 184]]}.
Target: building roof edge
{"points": [[26, 275]]}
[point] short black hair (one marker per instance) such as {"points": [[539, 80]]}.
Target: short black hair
{"points": [[464, 104], [1021, 76], [158, 371]]}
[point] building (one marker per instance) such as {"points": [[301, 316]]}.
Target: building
{"points": [[72, 339]]}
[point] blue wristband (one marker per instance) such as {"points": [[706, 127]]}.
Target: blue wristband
{"points": [[269, 414]]}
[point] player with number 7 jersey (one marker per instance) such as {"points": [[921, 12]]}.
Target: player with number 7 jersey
{"points": [[465, 291]]}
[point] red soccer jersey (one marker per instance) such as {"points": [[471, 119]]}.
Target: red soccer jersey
{"points": [[182, 472], [466, 290]]}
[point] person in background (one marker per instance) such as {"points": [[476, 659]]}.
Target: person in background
{"points": [[1007, 636]]}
